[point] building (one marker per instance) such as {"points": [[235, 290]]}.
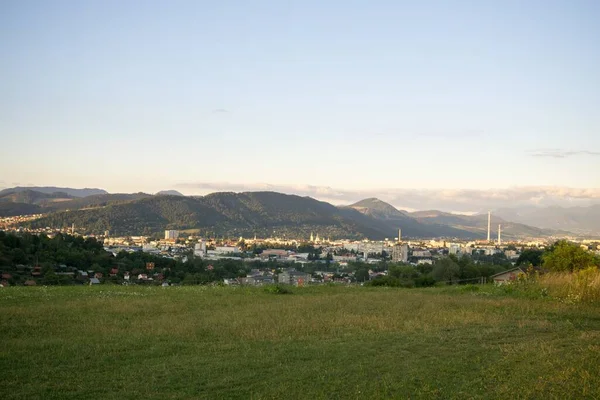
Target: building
{"points": [[293, 277], [400, 253], [507, 276], [171, 235], [226, 250], [274, 253], [200, 249]]}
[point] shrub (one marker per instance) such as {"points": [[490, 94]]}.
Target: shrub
{"points": [[278, 289], [425, 281], [384, 281], [580, 286], [469, 288]]}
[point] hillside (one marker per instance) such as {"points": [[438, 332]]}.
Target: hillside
{"points": [[51, 189], [583, 220], [395, 219], [378, 208], [33, 197], [28, 202], [169, 193], [13, 209], [249, 213], [34, 202], [242, 214], [477, 224]]}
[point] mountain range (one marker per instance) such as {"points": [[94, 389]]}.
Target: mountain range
{"points": [[244, 214], [52, 189], [580, 220]]}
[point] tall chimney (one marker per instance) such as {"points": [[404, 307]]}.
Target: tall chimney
{"points": [[499, 233], [399, 235], [489, 222]]}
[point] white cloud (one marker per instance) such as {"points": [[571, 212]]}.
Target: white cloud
{"points": [[557, 153]]}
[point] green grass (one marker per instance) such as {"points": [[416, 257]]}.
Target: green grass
{"points": [[110, 342]]}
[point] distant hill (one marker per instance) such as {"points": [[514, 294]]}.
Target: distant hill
{"points": [[32, 197], [169, 193], [8, 209], [248, 214], [395, 219], [378, 208], [12, 202], [477, 224], [244, 214], [583, 220], [51, 189]]}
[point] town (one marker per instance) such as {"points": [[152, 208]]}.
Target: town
{"points": [[263, 261]]}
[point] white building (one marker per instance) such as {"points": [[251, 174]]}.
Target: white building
{"points": [[200, 249], [226, 249], [400, 253], [453, 248], [171, 235]]}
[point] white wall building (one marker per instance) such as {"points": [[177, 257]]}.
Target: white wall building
{"points": [[171, 235], [200, 249]]}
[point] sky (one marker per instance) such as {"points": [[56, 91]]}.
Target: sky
{"points": [[360, 96]]}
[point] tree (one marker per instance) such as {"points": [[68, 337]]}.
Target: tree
{"points": [[531, 256], [403, 272], [362, 274], [569, 257], [445, 270]]}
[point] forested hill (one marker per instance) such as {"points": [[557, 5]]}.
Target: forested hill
{"points": [[52, 189], [238, 214]]}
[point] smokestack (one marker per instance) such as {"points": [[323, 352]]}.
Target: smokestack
{"points": [[72, 229], [399, 235], [489, 222], [499, 233]]}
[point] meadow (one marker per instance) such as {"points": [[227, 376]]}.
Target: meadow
{"points": [[115, 342]]}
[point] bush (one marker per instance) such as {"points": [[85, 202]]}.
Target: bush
{"points": [[580, 286], [469, 288], [425, 281], [278, 289], [384, 281]]}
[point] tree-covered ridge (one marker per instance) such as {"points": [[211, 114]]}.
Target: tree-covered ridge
{"points": [[239, 214], [221, 213]]}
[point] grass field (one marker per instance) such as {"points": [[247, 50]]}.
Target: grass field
{"points": [[112, 342]]}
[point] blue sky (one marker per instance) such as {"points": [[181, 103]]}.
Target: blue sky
{"points": [[149, 95]]}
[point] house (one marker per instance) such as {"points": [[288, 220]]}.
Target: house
{"points": [[114, 271], [507, 276], [274, 253], [94, 281], [293, 277], [29, 283], [257, 280]]}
